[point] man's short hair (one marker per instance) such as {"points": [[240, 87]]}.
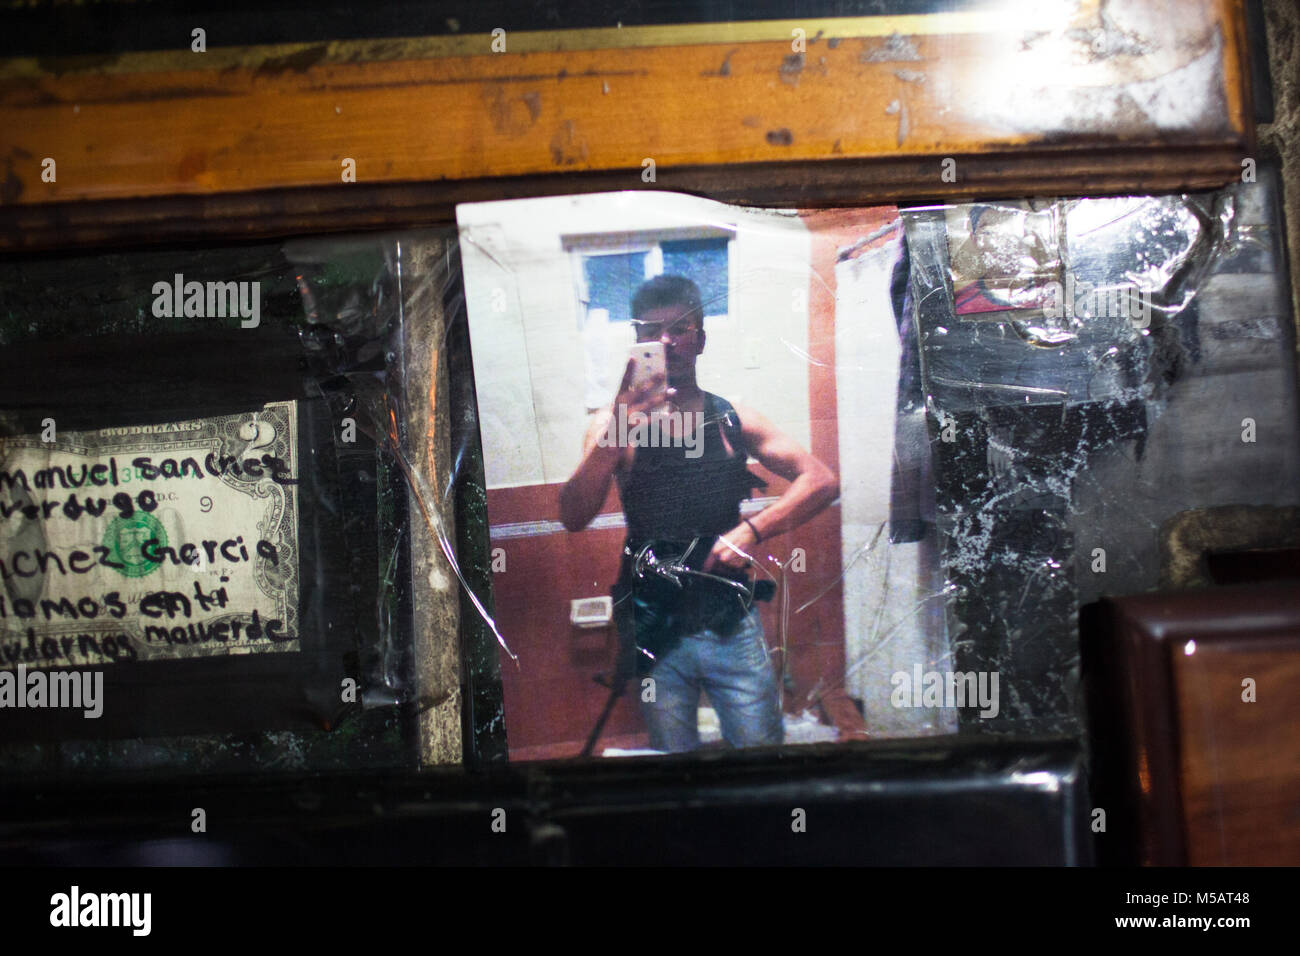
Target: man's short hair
{"points": [[668, 290]]}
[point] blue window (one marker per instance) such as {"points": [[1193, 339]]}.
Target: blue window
{"points": [[611, 281], [704, 262]]}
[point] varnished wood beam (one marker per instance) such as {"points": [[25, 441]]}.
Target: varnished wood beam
{"points": [[862, 111]]}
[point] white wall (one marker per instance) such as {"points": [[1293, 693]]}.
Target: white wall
{"points": [[526, 323], [891, 591]]}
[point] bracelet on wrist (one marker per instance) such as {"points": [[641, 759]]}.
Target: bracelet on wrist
{"points": [[758, 538]]}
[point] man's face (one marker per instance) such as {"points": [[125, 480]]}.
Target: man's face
{"points": [[680, 333]]}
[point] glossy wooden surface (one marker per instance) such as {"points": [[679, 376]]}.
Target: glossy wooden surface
{"points": [[1239, 757], [887, 99], [1188, 769]]}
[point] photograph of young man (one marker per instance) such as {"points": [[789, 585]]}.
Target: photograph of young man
{"points": [[684, 600]]}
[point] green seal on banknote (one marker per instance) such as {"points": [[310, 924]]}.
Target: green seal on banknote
{"points": [[124, 539]]}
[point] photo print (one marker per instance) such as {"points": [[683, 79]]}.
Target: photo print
{"points": [[707, 473]]}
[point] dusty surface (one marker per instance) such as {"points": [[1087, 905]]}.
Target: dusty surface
{"points": [[1283, 134], [434, 589], [1187, 537]]}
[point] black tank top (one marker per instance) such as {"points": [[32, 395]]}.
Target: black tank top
{"points": [[676, 506], [680, 494]]}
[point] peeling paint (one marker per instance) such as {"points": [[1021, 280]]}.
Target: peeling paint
{"points": [[791, 67], [895, 49], [299, 62], [725, 68], [567, 149], [508, 118], [895, 108], [533, 101]]}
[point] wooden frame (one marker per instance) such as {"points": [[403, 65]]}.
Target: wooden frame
{"points": [[251, 141]]}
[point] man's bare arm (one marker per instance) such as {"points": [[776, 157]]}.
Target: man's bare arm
{"points": [[586, 490], [813, 486]]}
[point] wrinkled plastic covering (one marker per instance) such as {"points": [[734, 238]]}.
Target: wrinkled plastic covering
{"points": [[350, 339], [1014, 396], [1091, 369]]}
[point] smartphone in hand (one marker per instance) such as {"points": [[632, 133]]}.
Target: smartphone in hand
{"points": [[648, 363]]}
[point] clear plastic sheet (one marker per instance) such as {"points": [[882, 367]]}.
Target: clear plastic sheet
{"points": [[1010, 418], [350, 337], [1014, 397], [1092, 368]]}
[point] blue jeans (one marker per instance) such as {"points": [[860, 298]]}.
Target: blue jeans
{"points": [[736, 672]]}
